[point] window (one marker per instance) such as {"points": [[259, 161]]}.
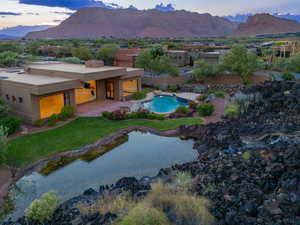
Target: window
{"points": [[14, 98], [7, 97], [20, 99], [67, 98]]}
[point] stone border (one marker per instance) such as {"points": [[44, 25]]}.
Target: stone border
{"points": [[98, 144]]}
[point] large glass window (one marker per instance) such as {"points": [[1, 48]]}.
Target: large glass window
{"points": [[86, 93], [130, 87], [51, 105]]}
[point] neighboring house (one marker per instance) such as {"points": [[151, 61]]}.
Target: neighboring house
{"points": [[209, 57], [43, 89], [179, 57], [127, 57]]}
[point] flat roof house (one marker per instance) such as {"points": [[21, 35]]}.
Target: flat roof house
{"points": [[43, 89]]}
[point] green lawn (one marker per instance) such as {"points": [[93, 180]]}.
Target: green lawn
{"points": [[78, 133]]}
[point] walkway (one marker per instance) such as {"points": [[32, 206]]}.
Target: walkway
{"points": [[219, 104]]}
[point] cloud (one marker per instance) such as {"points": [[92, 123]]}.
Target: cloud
{"points": [[10, 14], [62, 13], [32, 14], [69, 4]]}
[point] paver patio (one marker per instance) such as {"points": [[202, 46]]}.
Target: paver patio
{"points": [[94, 109]]}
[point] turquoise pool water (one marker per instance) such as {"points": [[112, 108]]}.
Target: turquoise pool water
{"points": [[164, 104], [140, 154]]}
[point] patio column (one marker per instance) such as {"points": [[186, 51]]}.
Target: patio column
{"points": [[101, 95]]}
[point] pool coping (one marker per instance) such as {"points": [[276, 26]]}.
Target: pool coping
{"points": [[150, 96]]}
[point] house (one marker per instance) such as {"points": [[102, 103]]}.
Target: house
{"points": [[43, 89], [209, 57], [179, 57], [127, 57]]}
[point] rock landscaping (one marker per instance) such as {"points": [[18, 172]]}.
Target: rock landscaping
{"points": [[248, 167]]}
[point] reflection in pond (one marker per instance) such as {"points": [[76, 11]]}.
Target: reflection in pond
{"points": [[136, 154]]}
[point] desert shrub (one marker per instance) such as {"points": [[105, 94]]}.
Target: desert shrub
{"points": [[181, 207], [117, 204], [182, 109], [244, 101], [106, 114], [67, 112], [160, 196], [203, 71], [142, 214], [205, 109], [143, 114], [246, 156], [8, 58], [43, 209], [191, 210], [107, 53], [139, 95], [202, 98], [39, 123], [82, 53], [294, 63], [192, 105], [12, 124], [72, 60], [288, 76], [117, 115], [172, 88], [183, 180], [52, 120], [232, 110], [220, 94]]}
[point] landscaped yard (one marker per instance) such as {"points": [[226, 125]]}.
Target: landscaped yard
{"points": [[78, 133]]}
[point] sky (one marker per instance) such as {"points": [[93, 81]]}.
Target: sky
{"points": [[52, 12]]}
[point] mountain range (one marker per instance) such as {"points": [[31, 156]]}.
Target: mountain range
{"points": [[20, 31], [130, 23], [266, 24], [242, 18]]}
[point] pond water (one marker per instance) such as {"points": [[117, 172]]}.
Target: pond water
{"points": [[164, 104], [141, 154]]}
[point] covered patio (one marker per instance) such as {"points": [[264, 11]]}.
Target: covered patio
{"points": [[95, 108]]}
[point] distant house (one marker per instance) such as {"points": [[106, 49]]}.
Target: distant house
{"points": [[127, 57], [180, 58], [43, 89]]}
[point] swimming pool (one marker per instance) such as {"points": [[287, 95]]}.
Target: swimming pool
{"points": [[164, 104]]}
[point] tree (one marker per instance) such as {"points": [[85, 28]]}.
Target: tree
{"points": [[33, 47], [242, 62], [10, 46], [144, 60], [202, 71], [107, 53], [82, 53], [155, 61], [8, 58]]}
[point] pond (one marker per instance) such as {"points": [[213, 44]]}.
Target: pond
{"points": [[139, 154], [164, 104]]}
